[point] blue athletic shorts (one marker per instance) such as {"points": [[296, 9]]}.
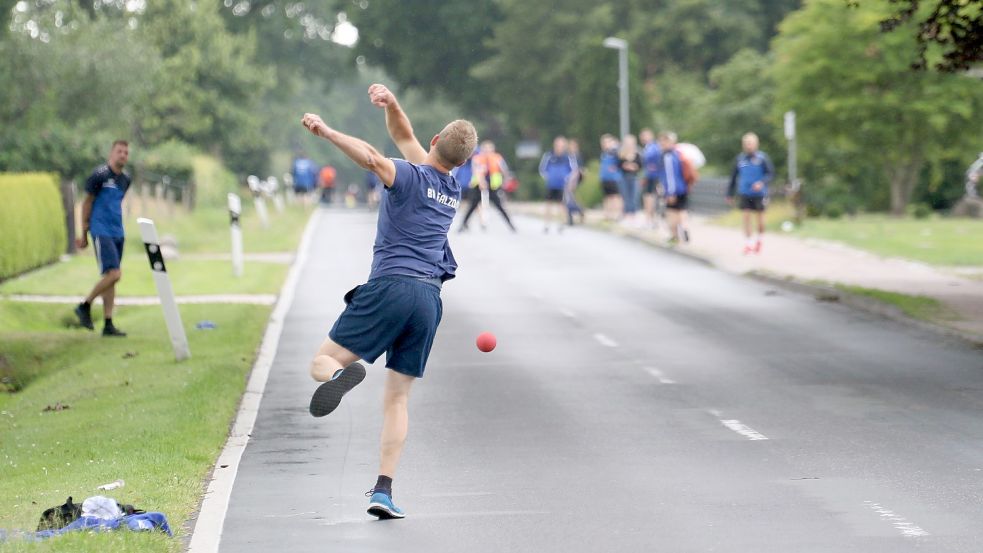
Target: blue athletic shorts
{"points": [[392, 314], [109, 252]]}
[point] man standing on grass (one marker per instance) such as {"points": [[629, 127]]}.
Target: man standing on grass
{"points": [[752, 173], [102, 216], [397, 311]]}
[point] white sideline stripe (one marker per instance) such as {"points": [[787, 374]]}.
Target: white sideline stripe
{"points": [[743, 429], [900, 523], [211, 518], [251, 299], [659, 376], [605, 341]]}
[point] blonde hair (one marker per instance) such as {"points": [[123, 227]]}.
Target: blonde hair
{"points": [[456, 142]]}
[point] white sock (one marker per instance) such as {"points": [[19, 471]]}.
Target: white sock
{"points": [[750, 242]]}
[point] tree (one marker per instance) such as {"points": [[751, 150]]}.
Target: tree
{"points": [[430, 45], [862, 114], [210, 86], [953, 27], [57, 117]]}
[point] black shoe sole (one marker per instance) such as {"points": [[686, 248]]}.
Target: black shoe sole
{"points": [[383, 514], [82, 319], [114, 335], [328, 395]]}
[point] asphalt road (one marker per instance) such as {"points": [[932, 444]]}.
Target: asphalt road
{"points": [[637, 401]]}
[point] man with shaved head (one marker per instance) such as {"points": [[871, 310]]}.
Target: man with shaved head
{"points": [[397, 311]]}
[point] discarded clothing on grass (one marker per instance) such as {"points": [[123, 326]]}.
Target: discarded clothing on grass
{"points": [[142, 522]]}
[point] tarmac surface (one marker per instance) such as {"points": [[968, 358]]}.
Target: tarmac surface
{"points": [[637, 401]]}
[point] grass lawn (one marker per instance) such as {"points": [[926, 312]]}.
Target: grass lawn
{"points": [[916, 307], [134, 413], [936, 240], [77, 276], [207, 229]]}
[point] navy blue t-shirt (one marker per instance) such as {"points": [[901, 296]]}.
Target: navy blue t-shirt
{"points": [[107, 209], [414, 218]]}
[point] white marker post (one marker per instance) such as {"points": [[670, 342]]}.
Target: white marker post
{"points": [[273, 189], [235, 209], [171, 315], [257, 189]]}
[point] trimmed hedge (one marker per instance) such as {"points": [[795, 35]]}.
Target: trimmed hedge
{"points": [[32, 222]]}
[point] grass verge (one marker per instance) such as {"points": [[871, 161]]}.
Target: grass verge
{"points": [[133, 413], [77, 276], [935, 240], [917, 307]]}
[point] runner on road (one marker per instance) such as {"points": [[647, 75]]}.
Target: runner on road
{"points": [[753, 171], [650, 172], [558, 168], [677, 175], [488, 172], [397, 311]]}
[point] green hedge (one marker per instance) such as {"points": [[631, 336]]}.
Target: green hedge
{"points": [[32, 222]]}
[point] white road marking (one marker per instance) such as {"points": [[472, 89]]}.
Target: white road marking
{"points": [[900, 523], [211, 518], [659, 376], [743, 429], [605, 341], [568, 314]]}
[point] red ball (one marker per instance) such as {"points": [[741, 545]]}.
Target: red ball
{"points": [[486, 341]]}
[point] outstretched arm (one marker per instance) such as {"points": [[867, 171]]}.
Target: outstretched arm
{"points": [[398, 124], [359, 151]]}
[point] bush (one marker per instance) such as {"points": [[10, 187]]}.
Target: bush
{"points": [[32, 222], [921, 211], [589, 193], [172, 159], [833, 210], [213, 182]]}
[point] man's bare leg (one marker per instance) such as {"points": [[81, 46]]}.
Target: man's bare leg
{"points": [[330, 357], [108, 301], [108, 280], [395, 421]]}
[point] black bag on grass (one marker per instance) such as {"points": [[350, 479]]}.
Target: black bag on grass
{"points": [[59, 517]]}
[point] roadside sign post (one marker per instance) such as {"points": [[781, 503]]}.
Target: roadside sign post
{"points": [[273, 189], [235, 210], [179, 341], [793, 179]]}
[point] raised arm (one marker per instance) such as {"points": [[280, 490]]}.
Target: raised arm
{"points": [[398, 124], [357, 150]]}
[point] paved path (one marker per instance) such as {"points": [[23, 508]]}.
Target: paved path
{"points": [[637, 401]]}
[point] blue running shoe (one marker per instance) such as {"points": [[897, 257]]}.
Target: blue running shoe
{"points": [[328, 395], [381, 505]]}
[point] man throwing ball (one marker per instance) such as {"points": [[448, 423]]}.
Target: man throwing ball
{"points": [[397, 311]]}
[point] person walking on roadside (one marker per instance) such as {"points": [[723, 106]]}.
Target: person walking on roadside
{"points": [[677, 175], [488, 172], [570, 196], [557, 168], [650, 172], [398, 310], [753, 171], [610, 176], [630, 162], [102, 217]]}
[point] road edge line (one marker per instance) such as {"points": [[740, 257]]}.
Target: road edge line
{"points": [[207, 533]]}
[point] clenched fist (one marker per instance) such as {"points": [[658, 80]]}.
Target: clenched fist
{"points": [[313, 123], [381, 96]]}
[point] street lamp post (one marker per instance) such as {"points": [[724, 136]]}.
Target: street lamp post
{"points": [[622, 47]]}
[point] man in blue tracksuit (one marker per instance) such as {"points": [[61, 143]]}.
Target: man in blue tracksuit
{"points": [[676, 175], [753, 171], [650, 173], [558, 168]]}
